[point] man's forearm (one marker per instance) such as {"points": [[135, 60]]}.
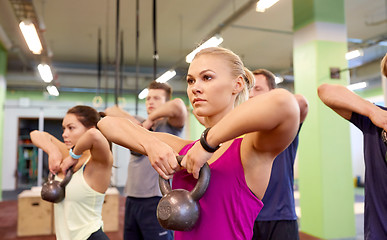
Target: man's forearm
{"points": [[116, 111], [344, 101], [171, 108]]}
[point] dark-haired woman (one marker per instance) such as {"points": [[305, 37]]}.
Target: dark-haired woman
{"points": [[78, 216]]}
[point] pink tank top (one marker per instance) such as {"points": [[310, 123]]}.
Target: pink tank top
{"points": [[228, 208]]}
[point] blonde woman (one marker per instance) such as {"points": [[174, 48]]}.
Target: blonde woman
{"points": [[217, 86]]}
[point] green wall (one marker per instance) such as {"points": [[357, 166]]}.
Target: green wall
{"points": [[370, 93], [195, 128]]}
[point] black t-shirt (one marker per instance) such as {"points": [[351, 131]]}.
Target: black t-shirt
{"points": [[375, 212]]}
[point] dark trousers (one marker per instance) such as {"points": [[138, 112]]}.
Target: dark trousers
{"points": [[98, 235], [141, 220], [276, 230]]}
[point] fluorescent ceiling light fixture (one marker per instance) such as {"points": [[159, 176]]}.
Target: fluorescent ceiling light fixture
{"points": [[357, 86], [166, 76], [52, 90], [31, 36], [262, 5], [212, 42], [278, 80], [354, 40], [383, 43], [45, 72], [353, 54], [143, 93]]}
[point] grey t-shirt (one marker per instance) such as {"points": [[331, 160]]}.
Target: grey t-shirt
{"points": [[143, 180]]}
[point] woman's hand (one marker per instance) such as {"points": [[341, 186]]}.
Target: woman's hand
{"points": [[67, 163], [54, 161], [195, 158], [163, 159]]}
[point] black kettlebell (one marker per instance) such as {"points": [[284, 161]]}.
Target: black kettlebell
{"points": [[53, 190], [179, 209]]}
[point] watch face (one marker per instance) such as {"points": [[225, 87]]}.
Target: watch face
{"points": [[384, 136]]}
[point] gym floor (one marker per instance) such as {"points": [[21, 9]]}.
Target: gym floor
{"points": [[8, 218]]}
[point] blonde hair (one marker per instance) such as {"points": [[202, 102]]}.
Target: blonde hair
{"points": [[383, 65], [237, 69]]}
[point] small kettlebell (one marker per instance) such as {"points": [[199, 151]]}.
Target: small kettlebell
{"points": [[179, 209], [53, 190]]}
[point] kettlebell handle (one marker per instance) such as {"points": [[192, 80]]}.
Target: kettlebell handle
{"points": [[66, 180], [200, 187], [69, 174]]}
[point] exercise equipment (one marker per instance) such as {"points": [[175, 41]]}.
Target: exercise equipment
{"points": [[155, 53], [97, 100], [117, 62], [53, 190], [179, 209], [137, 51]]}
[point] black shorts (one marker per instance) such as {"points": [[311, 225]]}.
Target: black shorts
{"points": [[98, 235], [276, 230], [141, 221]]}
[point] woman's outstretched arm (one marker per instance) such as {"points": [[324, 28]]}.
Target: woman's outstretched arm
{"points": [[160, 148], [94, 141], [269, 122], [55, 149]]}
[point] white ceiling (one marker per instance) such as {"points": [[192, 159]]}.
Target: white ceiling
{"points": [[263, 40]]}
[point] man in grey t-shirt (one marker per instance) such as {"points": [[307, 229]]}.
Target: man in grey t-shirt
{"points": [[142, 189]]}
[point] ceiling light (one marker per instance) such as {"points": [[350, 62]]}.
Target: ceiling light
{"points": [[357, 86], [383, 43], [143, 93], [162, 79], [353, 54], [262, 5], [52, 90], [45, 72], [31, 36], [166, 76], [354, 40], [212, 42]]}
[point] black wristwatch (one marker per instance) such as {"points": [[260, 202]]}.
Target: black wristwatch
{"points": [[204, 143]]}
